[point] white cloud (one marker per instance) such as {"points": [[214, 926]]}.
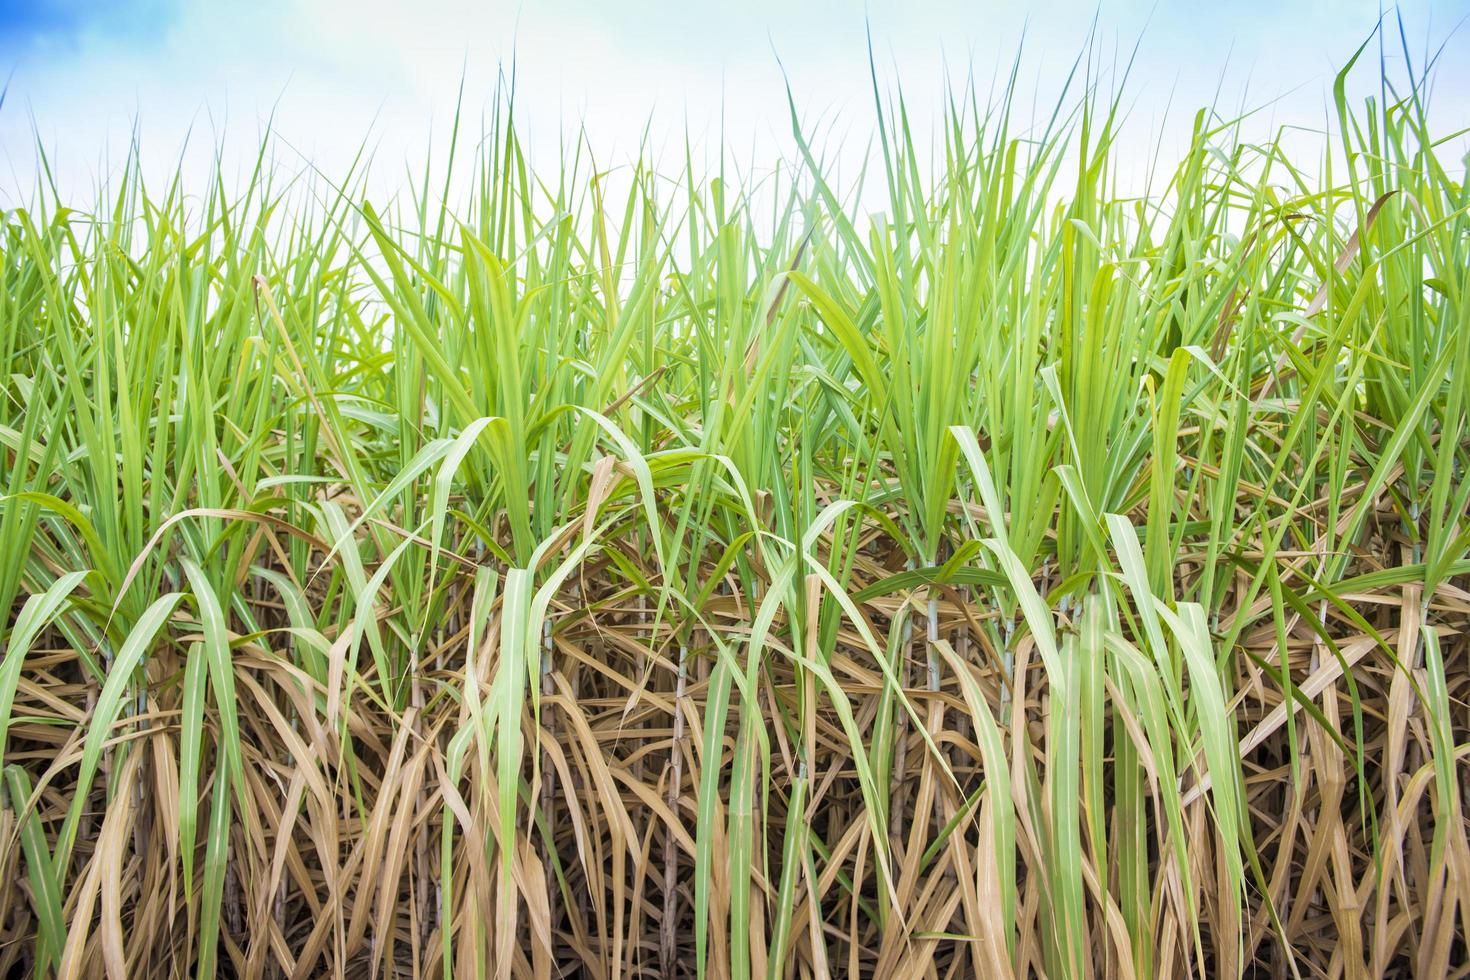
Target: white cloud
{"points": [[338, 71]]}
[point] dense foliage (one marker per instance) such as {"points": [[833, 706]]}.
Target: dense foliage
{"points": [[692, 577]]}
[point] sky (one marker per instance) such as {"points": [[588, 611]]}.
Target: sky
{"points": [[197, 77]]}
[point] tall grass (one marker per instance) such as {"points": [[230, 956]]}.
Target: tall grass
{"points": [[1030, 580]]}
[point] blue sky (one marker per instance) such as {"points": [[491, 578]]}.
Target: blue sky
{"points": [[85, 73], [51, 21]]}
